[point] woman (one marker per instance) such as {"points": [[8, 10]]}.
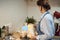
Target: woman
{"points": [[46, 28]]}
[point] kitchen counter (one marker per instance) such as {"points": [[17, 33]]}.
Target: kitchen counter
{"points": [[56, 37]]}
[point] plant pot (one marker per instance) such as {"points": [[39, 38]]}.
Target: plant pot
{"points": [[30, 30]]}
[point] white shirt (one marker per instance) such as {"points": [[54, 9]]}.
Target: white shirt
{"points": [[47, 27]]}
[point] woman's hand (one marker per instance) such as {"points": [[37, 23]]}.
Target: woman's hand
{"points": [[33, 37]]}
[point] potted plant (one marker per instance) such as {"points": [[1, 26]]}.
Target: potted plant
{"points": [[30, 20]]}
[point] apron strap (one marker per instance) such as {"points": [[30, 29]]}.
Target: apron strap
{"points": [[40, 32]]}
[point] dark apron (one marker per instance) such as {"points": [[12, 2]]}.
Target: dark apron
{"points": [[38, 27]]}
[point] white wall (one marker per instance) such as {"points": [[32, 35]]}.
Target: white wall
{"points": [[13, 12]]}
